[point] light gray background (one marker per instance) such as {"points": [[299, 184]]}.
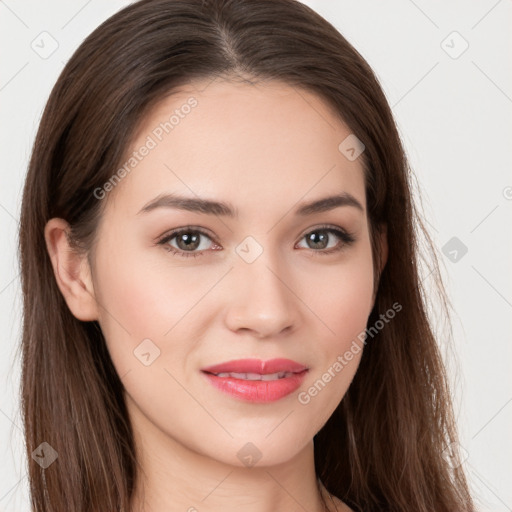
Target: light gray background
{"points": [[454, 115]]}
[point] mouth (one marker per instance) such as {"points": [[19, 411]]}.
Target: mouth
{"points": [[257, 381], [256, 367], [254, 376]]}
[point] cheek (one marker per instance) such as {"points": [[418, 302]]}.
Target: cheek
{"points": [[341, 296], [344, 312], [349, 304], [146, 288], [343, 304], [141, 301]]}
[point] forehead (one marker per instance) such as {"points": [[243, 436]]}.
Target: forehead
{"points": [[260, 143]]}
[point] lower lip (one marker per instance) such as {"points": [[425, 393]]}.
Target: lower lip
{"points": [[257, 391]]}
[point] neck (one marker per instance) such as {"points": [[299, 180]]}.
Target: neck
{"points": [[173, 478]]}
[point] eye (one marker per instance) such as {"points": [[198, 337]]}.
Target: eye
{"points": [[188, 239], [320, 237]]}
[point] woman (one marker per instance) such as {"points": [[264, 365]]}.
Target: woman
{"points": [[219, 265]]}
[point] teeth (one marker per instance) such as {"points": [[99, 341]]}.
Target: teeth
{"points": [[274, 376], [255, 376]]}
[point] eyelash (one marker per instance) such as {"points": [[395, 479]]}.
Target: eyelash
{"points": [[346, 237]]}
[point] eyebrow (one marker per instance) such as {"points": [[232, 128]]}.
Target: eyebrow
{"points": [[210, 207]]}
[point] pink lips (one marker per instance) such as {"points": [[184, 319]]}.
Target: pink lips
{"points": [[245, 388]]}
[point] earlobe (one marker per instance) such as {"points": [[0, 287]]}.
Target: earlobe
{"points": [[71, 270]]}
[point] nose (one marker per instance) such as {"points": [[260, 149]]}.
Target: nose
{"points": [[261, 299]]}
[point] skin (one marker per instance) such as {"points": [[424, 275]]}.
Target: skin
{"points": [[265, 149]]}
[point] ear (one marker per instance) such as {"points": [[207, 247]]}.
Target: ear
{"points": [[72, 271]]}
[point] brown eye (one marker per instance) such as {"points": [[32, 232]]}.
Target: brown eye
{"points": [[187, 241]]}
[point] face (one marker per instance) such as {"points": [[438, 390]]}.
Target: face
{"points": [[273, 279]]}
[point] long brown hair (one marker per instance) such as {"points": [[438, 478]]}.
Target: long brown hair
{"points": [[384, 446]]}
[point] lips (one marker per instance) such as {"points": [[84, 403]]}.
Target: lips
{"points": [[257, 366], [254, 380], [255, 376]]}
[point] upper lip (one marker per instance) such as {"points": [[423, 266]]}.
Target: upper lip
{"points": [[257, 366]]}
